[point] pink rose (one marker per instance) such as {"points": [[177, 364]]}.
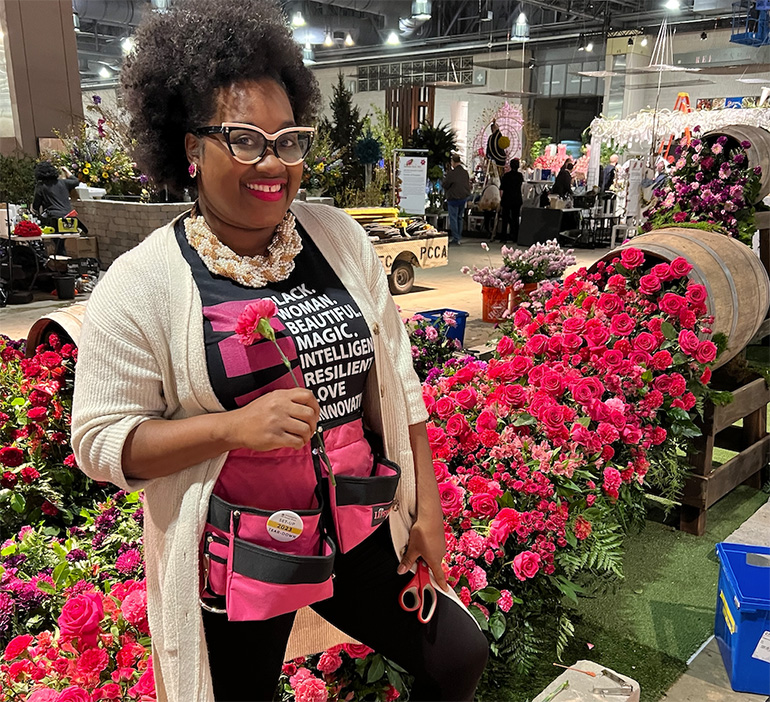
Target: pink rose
{"points": [[573, 325], [671, 303], [466, 398], [254, 322], [526, 565], [486, 420], [506, 346], [444, 407], [391, 694], [696, 294], [706, 352], [587, 389], [357, 650], [440, 470], [645, 342], [680, 267], [631, 258], [74, 693], [43, 694], [329, 662], [536, 344], [80, 618], [457, 425], [688, 341], [145, 686], [484, 505], [110, 691], [610, 304], [451, 498], [662, 270], [649, 284], [622, 325]]}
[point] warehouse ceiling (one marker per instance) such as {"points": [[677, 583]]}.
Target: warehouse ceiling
{"points": [[104, 27]]}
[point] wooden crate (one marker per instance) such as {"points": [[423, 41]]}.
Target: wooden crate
{"points": [[706, 484]]}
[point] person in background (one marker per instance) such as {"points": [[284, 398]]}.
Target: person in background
{"points": [[511, 200], [608, 174], [563, 184], [457, 186], [660, 174], [51, 201]]}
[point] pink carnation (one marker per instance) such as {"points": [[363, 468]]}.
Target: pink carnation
{"points": [[311, 689], [249, 319], [506, 600], [329, 662]]}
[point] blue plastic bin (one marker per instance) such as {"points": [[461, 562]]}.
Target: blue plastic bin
{"points": [[742, 623], [457, 332]]}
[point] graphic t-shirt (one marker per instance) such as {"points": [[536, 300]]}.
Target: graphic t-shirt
{"points": [[319, 328]]}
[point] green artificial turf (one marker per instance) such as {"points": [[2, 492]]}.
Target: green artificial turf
{"points": [[650, 624]]}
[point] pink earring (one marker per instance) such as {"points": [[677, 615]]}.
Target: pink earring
{"points": [[193, 170]]}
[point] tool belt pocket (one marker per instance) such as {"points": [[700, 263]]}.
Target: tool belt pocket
{"points": [[359, 504], [265, 562]]}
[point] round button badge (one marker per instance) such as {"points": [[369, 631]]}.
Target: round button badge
{"points": [[284, 525]]}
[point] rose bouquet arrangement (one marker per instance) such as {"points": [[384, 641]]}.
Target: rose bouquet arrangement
{"points": [[543, 455], [27, 228], [38, 476], [40, 571], [347, 672], [711, 186], [539, 262], [99, 651], [431, 347]]}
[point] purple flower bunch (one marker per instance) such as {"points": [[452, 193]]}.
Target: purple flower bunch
{"points": [[712, 186], [539, 262]]}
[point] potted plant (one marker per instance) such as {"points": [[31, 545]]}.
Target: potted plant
{"points": [[531, 266]]}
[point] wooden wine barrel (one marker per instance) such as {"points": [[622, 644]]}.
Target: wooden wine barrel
{"points": [[758, 154], [737, 283], [65, 322]]}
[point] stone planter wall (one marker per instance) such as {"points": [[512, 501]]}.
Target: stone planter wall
{"points": [[119, 226]]}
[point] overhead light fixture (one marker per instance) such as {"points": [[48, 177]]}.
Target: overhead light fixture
{"points": [[488, 17], [76, 21], [590, 46], [349, 40], [644, 41], [703, 36], [630, 41], [127, 45], [672, 5], [297, 19], [393, 39], [328, 39], [308, 55], [421, 10], [521, 28], [531, 64], [105, 72]]}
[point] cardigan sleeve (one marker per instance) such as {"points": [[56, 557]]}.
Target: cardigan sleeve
{"points": [[118, 381], [396, 337]]}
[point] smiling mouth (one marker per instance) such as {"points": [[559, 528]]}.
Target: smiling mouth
{"points": [[275, 188]]}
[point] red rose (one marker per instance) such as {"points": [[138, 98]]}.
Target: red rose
{"points": [[80, 618], [486, 420], [484, 505], [613, 358], [680, 267], [451, 496], [37, 413], [536, 344], [649, 284], [357, 650], [17, 646], [573, 325], [515, 395], [622, 325], [11, 456], [444, 407], [671, 303], [29, 474], [645, 342], [526, 565], [706, 352], [74, 693], [587, 389], [610, 304], [631, 258], [457, 425], [552, 383], [662, 270], [632, 435], [506, 346], [466, 398], [696, 294], [49, 509], [688, 341], [50, 359]]}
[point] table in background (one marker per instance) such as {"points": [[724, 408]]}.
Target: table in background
{"points": [[597, 229]]}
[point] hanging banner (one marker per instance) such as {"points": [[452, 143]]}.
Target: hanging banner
{"points": [[634, 198], [458, 120], [413, 174]]}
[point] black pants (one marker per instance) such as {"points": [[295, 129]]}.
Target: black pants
{"points": [[446, 656], [510, 212]]}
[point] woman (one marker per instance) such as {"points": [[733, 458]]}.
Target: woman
{"points": [[169, 400]]}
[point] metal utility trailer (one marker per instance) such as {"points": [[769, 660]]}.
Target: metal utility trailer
{"points": [[400, 256]]}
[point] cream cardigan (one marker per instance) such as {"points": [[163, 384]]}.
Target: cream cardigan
{"points": [[142, 356]]}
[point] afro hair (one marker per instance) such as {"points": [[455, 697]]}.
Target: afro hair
{"points": [[45, 171], [183, 57]]}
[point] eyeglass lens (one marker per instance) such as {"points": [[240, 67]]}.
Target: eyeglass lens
{"points": [[249, 145]]}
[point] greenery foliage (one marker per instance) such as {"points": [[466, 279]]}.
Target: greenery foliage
{"points": [[439, 141], [17, 178]]}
